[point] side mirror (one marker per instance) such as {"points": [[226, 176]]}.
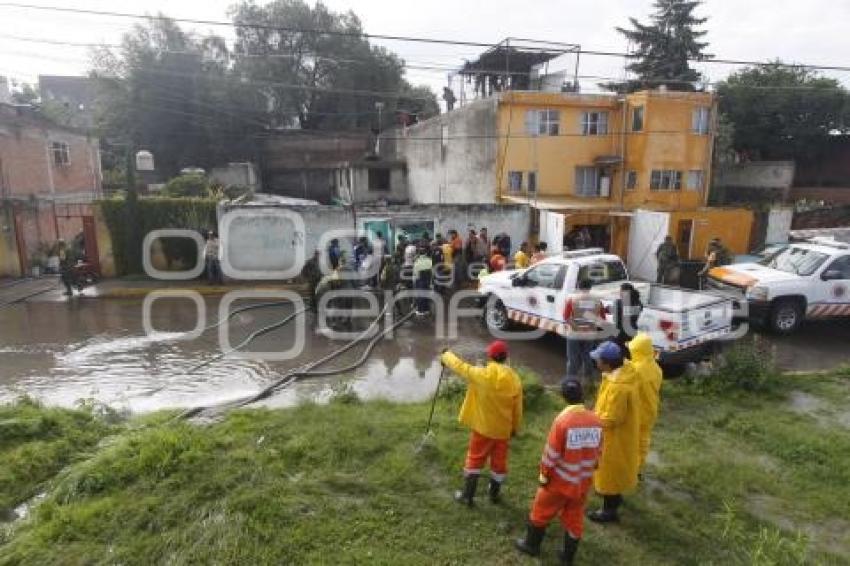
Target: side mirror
{"points": [[518, 281], [832, 275]]}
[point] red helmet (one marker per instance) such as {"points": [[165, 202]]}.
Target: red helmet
{"points": [[496, 349]]}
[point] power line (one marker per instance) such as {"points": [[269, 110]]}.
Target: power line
{"points": [[363, 35]]}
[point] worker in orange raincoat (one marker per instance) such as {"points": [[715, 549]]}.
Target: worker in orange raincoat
{"points": [[492, 408], [649, 387], [617, 407], [566, 469]]}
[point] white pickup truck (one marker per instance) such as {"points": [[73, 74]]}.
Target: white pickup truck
{"points": [[802, 281], [684, 325]]}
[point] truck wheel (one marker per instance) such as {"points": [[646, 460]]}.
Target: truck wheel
{"points": [[786, 316], [496, 316]]}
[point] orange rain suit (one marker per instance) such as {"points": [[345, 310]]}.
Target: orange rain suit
{"points": [[566, 469]]}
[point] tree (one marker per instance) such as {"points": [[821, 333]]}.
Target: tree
{"points": [[664, 47], [783, 112], [25, 94], [327, 81], [177, 96]]}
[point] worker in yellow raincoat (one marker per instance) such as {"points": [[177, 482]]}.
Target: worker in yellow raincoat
{"points": [[649, 377], [492, 408], [617, 408]]}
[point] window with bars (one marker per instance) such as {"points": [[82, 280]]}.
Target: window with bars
{"points": [[587, 181], [696, 178], [700, 120], [515, 181], [542, 122], [532, 182], [594, 123], [637, 119], [665, 180], [61, 153], [631, 180]]}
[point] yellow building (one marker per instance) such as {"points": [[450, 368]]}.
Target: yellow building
{"points": [[596, 159]]}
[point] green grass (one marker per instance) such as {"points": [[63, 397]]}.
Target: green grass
{"points": [[742, 478], [36, 442]]}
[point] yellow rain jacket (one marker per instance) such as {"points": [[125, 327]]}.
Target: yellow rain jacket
{"points": [[649, 388], [617, 408], [493, 403]]}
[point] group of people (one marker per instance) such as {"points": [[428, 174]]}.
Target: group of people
{"points": [[667, 257], [423, 263], [604, 448]]}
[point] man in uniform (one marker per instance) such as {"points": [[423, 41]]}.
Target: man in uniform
{"points": [[668, 258], [492, 408], [617, 408], [566, 470]]}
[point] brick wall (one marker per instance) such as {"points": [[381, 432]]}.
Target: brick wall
{"points": [[28, 168]]}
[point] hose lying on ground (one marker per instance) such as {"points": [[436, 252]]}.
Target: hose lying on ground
{"points": [[309, 370], [243, 309], [246, 341]]}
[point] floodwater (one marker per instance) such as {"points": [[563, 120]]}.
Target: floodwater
{"points": [[63, 351]]}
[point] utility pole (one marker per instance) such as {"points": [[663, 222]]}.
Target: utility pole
{"points": [[132, 245]]}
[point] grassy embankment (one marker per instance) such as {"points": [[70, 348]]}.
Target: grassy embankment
{"points": [[737, 477]]}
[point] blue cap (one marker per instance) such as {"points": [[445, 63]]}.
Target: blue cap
{"points": [[607, 351]]}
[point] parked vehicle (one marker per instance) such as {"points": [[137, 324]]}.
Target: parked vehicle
{"points": [[684, 325], [804, 281]]}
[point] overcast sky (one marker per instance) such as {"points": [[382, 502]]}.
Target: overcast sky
{"points": [[814, 31]]}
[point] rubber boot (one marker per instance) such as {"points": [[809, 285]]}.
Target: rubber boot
{"points": [[531, 543], [467, 494], [494, 491], [569, 552], [608, 513]]}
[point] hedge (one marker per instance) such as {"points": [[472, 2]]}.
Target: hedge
{"points": [[156, 213]]}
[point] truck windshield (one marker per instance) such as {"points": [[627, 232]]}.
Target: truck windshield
{"points": [[799, 261], [602, 272]]}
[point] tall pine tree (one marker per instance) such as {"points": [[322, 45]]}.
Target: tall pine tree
{"points": [[663, 48]]}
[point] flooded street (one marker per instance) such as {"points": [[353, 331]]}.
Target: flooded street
{"points": [[60, 352]]}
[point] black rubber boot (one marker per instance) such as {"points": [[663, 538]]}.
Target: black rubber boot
{"points": [[569, 552], [531, 543], [608, 513], [494, 489], [467, 494]]}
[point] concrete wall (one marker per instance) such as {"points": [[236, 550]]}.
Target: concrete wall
{"points": [[756, 175], [236, 174], [362, 194], [263, 241], [461, 170]]}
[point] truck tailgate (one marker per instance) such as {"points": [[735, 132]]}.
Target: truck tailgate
{"points": [[679, 318]]}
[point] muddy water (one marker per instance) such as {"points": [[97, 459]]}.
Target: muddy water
{"points": [[97, 349], [61, 352]]}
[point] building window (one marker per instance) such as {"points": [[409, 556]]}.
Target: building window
{"points": [[665, 180], [594, 123], [637, 119], [587, 181], [515, 181], [631, 180], [532, 182], [379, 179], [696, 178], [542, 122], [700, 119], [61, 153]]}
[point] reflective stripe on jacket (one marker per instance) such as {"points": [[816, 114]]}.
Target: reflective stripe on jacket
{"points": [[493, 403], [572, 451]]}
